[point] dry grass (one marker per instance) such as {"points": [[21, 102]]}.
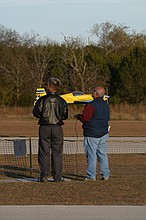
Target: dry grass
{"points": [[16, 113], [118, 112], [126, 186], [128, 112]]}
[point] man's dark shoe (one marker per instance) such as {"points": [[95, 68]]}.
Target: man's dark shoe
{"points": [[42, 179], [60, 180]]}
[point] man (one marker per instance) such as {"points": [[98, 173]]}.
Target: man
{"points": [[51, 110], [95, 117]]}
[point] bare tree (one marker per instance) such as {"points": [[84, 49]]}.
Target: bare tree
{"points": [[79, 73], [111, 37], [39, 58]]}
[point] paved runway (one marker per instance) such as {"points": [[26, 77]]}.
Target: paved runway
{"points": [[47, 212]]}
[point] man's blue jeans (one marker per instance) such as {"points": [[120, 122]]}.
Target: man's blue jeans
{"points": [[96, 148]]}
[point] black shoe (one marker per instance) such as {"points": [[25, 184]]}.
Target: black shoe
{"points": [[43, 179], [60, 180]]}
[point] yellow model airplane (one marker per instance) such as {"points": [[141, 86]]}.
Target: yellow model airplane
{"points": [[73, 97], [39, 93]]}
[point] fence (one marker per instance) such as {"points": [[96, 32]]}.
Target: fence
{"points": [[18, 156]]}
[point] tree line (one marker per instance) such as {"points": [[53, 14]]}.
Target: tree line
{"points": [[116, 59]]}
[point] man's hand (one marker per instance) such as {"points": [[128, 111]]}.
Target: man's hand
{"points": [[77, 116]]}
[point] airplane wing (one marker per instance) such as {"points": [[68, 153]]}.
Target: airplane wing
{"points": [[73, 97], [80, 97], [77, 97]]}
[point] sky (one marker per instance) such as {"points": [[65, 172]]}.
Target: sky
{"points": [[71, 18]]}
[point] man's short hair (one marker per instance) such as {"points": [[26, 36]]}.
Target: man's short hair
{"points": [[100, 91], [54, 81]]}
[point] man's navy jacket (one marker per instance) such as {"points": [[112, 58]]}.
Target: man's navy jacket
{"points": [[95, 118]]}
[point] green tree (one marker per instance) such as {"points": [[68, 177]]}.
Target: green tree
{"points": [[133, 77]]}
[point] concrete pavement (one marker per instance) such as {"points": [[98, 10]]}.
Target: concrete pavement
{"points": [[62, 212]]}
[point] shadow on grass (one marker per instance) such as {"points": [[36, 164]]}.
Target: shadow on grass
{"points": [[22, 172], [17, 172]]}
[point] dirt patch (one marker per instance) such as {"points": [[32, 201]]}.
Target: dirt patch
{"points": [[71, 128]]}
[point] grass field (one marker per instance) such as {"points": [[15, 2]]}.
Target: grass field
{"points": [[126, 185]]}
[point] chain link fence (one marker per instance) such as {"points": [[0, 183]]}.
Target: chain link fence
{"points": [[18, 156]]}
